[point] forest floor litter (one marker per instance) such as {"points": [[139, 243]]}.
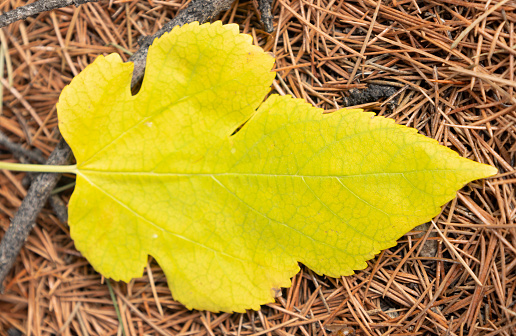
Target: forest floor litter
{"points": [[446, 68]]}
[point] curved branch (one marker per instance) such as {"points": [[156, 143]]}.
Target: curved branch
{"points": [[20, 150], [197, 10], [264, 6], [25, 218], [40, 6]]}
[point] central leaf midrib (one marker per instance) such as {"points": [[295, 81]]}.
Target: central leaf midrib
{"points": [[89, 172]]}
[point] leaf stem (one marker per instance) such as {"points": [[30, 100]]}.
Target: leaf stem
{"points": [[38, 168]]}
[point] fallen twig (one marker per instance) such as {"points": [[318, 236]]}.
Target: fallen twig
{"points": [[32, 204], [197, 10], [23, 12], [19, 150], [265, 9]]}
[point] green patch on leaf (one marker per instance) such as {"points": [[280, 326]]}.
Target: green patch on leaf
{"points": [[228, 215]]}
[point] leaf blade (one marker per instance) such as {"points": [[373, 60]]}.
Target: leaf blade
{"points": [[228, 215]]}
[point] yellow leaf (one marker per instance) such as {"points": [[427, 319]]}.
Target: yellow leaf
{"points": [[228, 215]]}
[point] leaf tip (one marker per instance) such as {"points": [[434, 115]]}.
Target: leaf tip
{"points": [[491, 171]]}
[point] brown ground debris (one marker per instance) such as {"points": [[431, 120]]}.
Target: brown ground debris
{"points": [[451, 64]]}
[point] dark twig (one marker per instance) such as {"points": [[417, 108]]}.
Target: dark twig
{"points": [[25, 218], [40, 6], [197, 10], [19, 150], [264, 6], [371, 94], [24, 155], [59, 208]]}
